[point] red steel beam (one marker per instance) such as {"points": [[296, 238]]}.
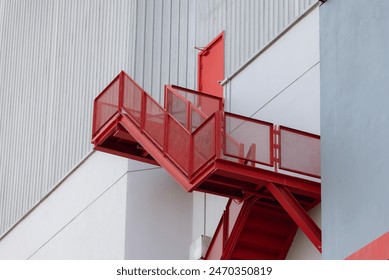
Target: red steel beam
{"points": [[297, 213], [253, 174]]}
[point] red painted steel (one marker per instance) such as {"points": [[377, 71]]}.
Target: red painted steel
{"points": [[378, 249], [206, 149], [297, 213], [105, 105], [211, 67], [243, 229], [132, 99]]}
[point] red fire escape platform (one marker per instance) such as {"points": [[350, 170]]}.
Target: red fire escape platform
{"points": [[206, 149]]}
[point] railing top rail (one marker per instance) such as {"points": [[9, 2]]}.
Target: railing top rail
{"points": [[171, 89], [196, 92], [107, 87], [220, 100], [153, 100], [301, 132], [248, 119], [133, 81]]}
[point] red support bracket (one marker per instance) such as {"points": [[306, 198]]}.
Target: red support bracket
{"points": [[297, 213]]}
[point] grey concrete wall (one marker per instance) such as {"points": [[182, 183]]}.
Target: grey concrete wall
{"points": [[354, 123]]}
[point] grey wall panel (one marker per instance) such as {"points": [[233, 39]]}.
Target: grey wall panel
{"points": [[55, 58], [354, 43]]}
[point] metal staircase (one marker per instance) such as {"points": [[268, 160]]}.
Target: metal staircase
{"points": [[270, 173]]}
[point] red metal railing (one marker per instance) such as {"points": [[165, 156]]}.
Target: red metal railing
{"points": [[192, 130], [248, 140], [181, 130], [106, 104], [224, 230], [299, 151]]}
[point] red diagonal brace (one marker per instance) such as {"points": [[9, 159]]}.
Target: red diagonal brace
{"points": [[297, 213]]}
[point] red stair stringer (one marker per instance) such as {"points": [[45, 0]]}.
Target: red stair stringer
{"points": [[157, 157], [161, 159]]}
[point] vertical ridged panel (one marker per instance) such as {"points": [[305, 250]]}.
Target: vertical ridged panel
{"points": [[249, 25], [55, 57], [164, 45]]}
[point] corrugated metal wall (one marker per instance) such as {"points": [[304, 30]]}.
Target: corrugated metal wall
{"points": [[56, 56], [165, 42]]}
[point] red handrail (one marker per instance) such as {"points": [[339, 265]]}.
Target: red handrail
{"points": [[224, 231]]}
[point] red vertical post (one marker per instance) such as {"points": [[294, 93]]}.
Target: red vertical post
{"points": [[165, 97], [143, 110], [121, 91], [225, 227], [188, 117], [276, 147], [165, 133], [191, 156], [166, 115], [219, 133], [94, 128]]}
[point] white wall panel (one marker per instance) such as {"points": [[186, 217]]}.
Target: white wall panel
{"points": [[159, 217], [108, 208], [249, 25], [94, 194], [282, 85]]}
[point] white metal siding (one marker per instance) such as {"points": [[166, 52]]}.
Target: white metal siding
{"points": [[164, 49], [55, 58]]}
